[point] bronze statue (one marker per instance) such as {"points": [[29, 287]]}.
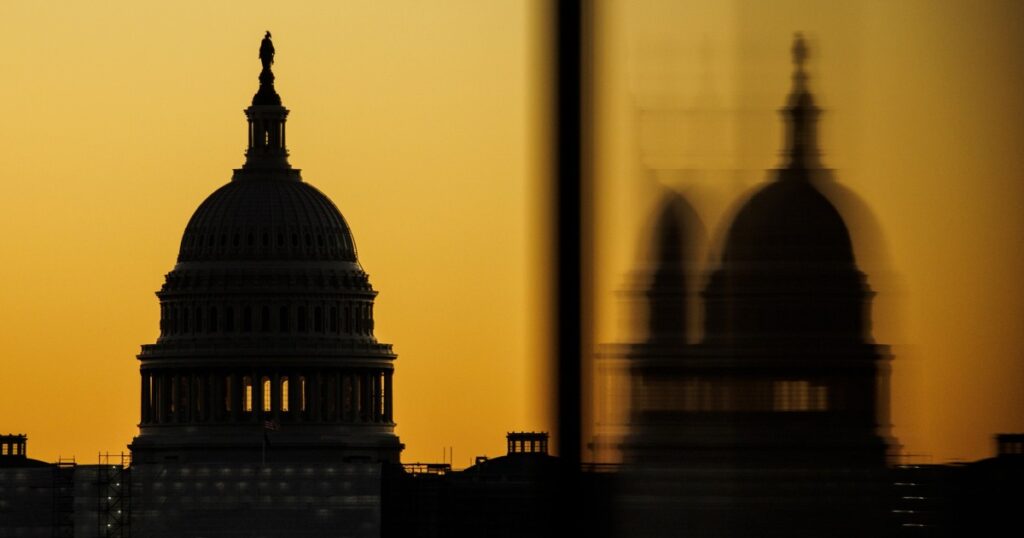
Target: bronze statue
{"points": [[267, 51]]}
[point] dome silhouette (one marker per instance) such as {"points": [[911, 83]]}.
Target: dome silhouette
{"points": [[788, 220], [270, 219], [266, 323], [787, 268]]}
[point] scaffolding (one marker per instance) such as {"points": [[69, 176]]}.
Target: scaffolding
{"points": [[63, 508], [113, 496]]}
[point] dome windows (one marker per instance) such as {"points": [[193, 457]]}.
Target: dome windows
{"points": [[324, 318], [265, 319], [247, 395], [267, 400], [284, 394]]}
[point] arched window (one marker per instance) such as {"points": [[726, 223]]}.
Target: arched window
{"points": [[265, 319], [199, 319], [247, 394], [318, 319], [347, 320], [284, 394], [229, 319], [303, 323], [265, 382], [247, 319], [213, 319], [200, 397], [283, 319], [227, 393], [184, 319]]}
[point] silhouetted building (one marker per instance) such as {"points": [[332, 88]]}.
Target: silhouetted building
{"points": [[266, 401], [510, 496], [986, 496], [775, 423], [61, 499], [266, 404], [25, 490]]}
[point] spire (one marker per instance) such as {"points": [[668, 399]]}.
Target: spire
{"points": [[801, 115], [266, 151]]}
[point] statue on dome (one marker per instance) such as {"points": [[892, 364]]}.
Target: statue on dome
{"points": [[267, 51]]}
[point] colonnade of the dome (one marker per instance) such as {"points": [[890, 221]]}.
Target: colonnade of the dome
{"points": [[253, 395]]}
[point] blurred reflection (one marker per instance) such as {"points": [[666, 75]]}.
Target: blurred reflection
{"points": [[775, 422]]}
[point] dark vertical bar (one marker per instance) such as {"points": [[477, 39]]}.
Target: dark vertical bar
{"points": [[567, 131]]}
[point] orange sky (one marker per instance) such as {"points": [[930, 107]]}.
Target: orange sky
{"points": [[421, 121], [412, 116]]}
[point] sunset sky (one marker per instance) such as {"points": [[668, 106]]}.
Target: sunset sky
{"points": [[424, 122]]}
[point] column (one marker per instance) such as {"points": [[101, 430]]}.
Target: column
{"points": [[144, 414], [236, 397], [165, 397], [216, 396], [162, 398], [294, 388], [339, 407], [375, 388], [275, 396], [211, 397], [367, 398], [193, 398], [347, 397], [313, 398], [388, 418], [257, 397]]}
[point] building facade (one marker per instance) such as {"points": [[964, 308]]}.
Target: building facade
{"points": [[266, 403]]}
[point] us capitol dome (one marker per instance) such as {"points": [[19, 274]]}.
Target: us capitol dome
{"points": [[266, 324]]}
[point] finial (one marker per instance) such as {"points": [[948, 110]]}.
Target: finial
{"points": [[799, 51], [801, 114], [267, 51], [266, 148], [266, 95]]}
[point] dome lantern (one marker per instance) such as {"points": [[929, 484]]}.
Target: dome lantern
{"points": [[266, 150], [801, 116]]}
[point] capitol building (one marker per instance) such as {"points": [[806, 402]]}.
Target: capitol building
{"points": [[266, 356], [266, 402]]}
